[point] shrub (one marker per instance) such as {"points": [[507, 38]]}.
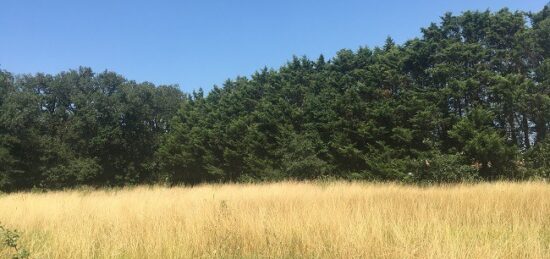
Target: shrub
{"points": [[439, 168], [9, 240]]}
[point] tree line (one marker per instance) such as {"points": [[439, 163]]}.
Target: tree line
{"points": [[467, 100]]}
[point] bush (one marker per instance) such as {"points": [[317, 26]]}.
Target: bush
{"points": [[9, 240], [440, 168]]}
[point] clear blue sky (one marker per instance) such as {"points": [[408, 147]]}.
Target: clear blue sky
{"points": [[201, 43]]}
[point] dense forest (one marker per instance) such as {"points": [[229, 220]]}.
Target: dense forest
{"points": [[467, 100]]}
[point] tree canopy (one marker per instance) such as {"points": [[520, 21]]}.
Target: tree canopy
{"points": [[469, 99]]}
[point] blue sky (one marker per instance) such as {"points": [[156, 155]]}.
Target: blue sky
{"points": [[201, 43]]}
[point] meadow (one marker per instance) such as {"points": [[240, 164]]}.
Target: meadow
{"points": [[285, 220]]}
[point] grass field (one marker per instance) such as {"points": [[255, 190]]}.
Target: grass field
{"points": [[328, 220]]}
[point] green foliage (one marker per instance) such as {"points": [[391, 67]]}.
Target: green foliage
{"points": [[9, 239], [75, 172], [471, 98], [482, 144], [442, 168], [537, 160], [80, 128]]}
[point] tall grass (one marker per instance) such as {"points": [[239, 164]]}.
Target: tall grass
{"points": [[332, 220]]}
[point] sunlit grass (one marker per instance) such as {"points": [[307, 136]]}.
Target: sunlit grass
{"points": [[330, 220]]}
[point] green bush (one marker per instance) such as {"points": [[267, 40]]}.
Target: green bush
{"points": [[445, 168], [9, 239]]}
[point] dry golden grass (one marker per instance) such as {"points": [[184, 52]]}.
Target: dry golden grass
{"points": [[331, 220]]}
